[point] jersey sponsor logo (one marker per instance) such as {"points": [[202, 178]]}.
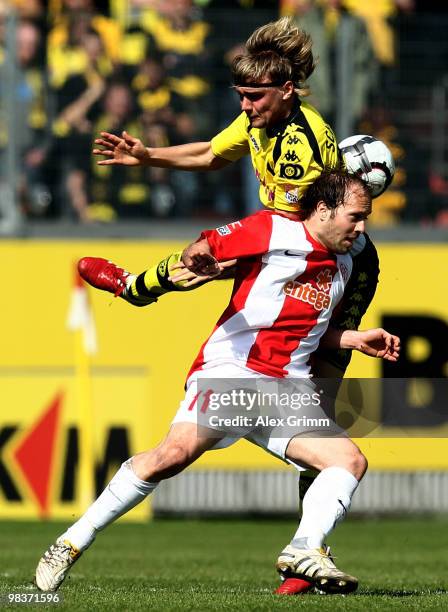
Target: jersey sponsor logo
{"points": [[324, 280], [291, 156], [305, 292], [330, 139], [291, 171], [255, 143], [225, 230], [292, 195]]}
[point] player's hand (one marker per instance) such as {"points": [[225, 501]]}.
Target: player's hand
{"points": [[378, 343], [124, 150], [182, 273], [203, 265]]}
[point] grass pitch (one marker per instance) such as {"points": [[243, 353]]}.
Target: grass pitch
{"points": [[228, 565]]}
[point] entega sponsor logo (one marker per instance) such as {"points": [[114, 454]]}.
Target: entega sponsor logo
{"points": [[307, 293]]}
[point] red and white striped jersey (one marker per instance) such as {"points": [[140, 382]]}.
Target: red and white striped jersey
{"points": [[286, 287]]}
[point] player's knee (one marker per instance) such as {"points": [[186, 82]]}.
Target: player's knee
{"points": [[357, 464], [163, 462], [169, 460], [176, 456]]}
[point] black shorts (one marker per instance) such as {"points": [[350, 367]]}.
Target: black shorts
{"points": [[357, 297]]}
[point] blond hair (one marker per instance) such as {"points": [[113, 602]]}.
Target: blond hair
{"points": [[278, 50]]}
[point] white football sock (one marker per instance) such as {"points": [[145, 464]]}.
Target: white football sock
{"points": [[123, 492], [325, 504]]}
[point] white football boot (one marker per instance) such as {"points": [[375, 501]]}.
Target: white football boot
{"points": [[55, 564], [316, 566]]}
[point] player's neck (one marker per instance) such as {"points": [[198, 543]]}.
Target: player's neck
{"points": [[290, 110], [314, 232]]}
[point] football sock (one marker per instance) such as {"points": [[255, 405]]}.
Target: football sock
{"points": [[123, 492], [306, 479], [325, 504], [153, 283]]}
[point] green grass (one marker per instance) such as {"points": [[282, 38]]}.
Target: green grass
{"points": [[228, 565]]}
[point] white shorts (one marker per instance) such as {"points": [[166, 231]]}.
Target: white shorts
{"points": [[192, 409]]}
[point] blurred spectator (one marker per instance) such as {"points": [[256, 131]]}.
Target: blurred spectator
{"points": [[181, 40], [31, 130], [239, 4], [438, 185], [150, 86], [76, 101], [128, 192], [376, 16], [331, 28], [66, 53], [29, 9]]}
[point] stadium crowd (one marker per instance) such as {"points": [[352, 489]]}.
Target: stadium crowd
{"points": [[159, 70]]}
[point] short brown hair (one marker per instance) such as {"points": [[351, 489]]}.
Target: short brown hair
{"points": [[280, 51], [330, 187]]}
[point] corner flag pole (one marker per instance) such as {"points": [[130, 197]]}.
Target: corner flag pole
{"points": [[80, 320]]}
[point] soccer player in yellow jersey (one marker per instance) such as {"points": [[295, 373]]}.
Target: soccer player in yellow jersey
{"points": [[289, 142]]}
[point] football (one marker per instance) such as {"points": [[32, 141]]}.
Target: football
{"points": [[370, 159]]}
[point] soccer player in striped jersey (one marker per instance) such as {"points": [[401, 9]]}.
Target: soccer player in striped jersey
{"points": [[297, 270]]}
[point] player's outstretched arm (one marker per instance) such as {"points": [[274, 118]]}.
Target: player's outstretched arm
{"points": [[126, 150], [180, 272], [373, 342]]}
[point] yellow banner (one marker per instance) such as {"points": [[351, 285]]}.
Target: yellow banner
{"points": [[40, 437]]}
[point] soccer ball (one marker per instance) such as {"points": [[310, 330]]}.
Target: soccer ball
{"points": [[369, 159]]}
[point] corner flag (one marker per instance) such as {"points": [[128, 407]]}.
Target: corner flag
{"points": [[80, 315], [80, 320]]}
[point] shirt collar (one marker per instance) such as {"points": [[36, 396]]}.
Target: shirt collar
{"points": [[279, 127]]}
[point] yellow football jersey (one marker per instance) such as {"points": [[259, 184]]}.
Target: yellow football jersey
{"points": [[286, 158]]}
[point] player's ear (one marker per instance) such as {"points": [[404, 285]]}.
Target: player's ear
{"points": [[288, 90], [322, 210]]}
